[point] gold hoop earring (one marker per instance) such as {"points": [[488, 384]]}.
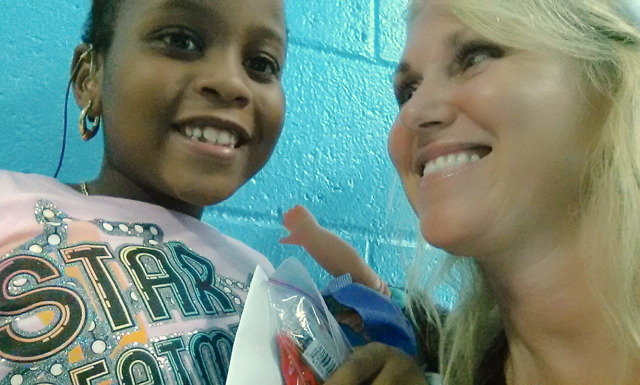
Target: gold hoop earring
{"points": [[85, 132]]}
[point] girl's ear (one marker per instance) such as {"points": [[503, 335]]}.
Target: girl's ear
{"points": [[86, 79]]}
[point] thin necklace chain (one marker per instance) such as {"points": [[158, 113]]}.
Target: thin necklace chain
{"points": [[83, 188]]}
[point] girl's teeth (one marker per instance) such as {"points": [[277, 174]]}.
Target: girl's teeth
{"points": [[451, 160], [224, 138], [211, 136]]}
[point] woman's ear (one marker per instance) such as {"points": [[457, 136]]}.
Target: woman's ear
{"points": [[86, 78]]}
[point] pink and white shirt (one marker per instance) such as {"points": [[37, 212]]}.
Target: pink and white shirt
{"points": [[100, 290]]}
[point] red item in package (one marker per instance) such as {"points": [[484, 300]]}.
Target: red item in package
{"points": [[311, 342], [294, 371]]}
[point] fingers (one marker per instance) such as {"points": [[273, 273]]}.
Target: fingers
{"points": [[360, 367], [378, 364], [292, 217], [288, 219], [298, 217], [301, 210], [289, 240], [350, 318], [404, 372]]}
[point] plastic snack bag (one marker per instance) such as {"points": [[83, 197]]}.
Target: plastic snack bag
{"points": [[311, 343]]}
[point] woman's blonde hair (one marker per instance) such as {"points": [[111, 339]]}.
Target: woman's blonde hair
{"points": [[604, 37]]}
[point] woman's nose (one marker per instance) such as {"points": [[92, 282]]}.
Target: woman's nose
{"points": [[430, 107], [223, 81]]}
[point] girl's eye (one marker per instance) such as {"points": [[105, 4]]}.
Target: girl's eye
{"points": [[474, 53], [404, 93], [180, 40], [263, 66]]}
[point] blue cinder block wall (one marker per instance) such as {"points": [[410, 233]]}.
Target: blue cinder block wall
{"points": [[332, 156]]}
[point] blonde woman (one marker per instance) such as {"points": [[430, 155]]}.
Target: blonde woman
{"points": [[518, 146]]}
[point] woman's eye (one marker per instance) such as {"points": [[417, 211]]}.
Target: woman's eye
{"points": [[263, 66], [404, 93], [474, 53]]}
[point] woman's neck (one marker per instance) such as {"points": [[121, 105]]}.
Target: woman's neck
{"points": [[555, 327]]}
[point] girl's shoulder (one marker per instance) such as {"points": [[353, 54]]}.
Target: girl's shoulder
{"points": [[18, 182], [23, 194]]}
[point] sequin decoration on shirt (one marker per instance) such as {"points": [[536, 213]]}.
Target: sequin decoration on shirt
{"points": [[73, 310]]}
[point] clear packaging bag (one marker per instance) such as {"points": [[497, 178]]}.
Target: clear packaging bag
{"points": [[310, 341]]}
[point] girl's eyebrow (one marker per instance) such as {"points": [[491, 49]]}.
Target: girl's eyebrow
{"points": [[205, 6], [188, 5], [268, 33]]}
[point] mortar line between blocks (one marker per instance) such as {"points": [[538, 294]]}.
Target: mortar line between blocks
{"points": [[344, 54], [377, 50], [272, 220]]}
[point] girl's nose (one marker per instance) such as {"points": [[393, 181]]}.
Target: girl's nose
{"points": [[430, 107], [224, 82]]}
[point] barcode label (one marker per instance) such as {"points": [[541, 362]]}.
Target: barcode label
{"points": [[320, 360]]}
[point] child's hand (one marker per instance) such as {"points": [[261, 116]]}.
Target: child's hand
{"points": [[300, 223], [376, 363]]}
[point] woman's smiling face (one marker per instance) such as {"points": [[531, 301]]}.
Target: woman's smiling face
{"points": [[192, 96], [490, 143]]}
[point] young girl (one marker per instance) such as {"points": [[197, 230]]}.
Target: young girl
{"points": [[116, 280]]}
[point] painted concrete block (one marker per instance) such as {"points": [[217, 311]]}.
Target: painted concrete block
{"points": [[391, 259], [395, 259], [392, 29], [332, 156], [342, 25], [38, 39], [263, 234]]}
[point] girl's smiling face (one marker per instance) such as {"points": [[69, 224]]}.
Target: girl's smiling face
{"points": [[491, 143], [191, 96]]}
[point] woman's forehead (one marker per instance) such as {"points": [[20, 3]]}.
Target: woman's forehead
{"points": [[416, 7], [435, 26]]}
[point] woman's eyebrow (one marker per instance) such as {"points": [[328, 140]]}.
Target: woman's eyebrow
{"points": [[452, 41], [455, 39], [402, 71]]}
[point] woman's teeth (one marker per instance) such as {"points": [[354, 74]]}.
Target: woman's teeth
{"points": [[447, 161], [211, 135]]}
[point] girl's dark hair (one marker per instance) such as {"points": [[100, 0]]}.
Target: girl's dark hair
{"points": [[99, 27]]}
